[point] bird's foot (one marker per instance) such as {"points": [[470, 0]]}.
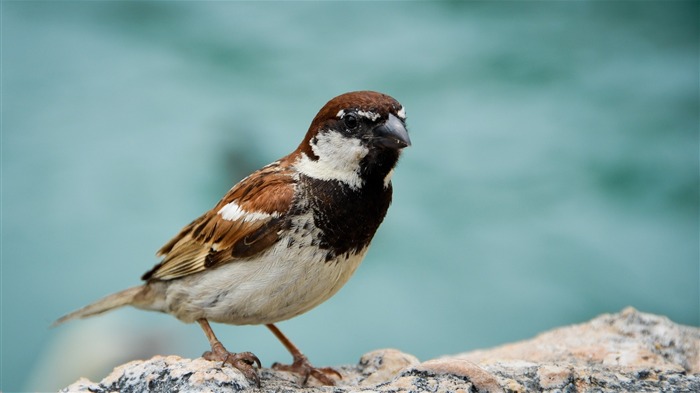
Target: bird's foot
{"points": [[243, 361], [301, 366]]}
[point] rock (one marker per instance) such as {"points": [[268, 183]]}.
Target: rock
{"points": [[382, 365], [166, 374], [628, 351]]}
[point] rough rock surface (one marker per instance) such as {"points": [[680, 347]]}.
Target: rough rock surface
{"points": [[625, 352]]}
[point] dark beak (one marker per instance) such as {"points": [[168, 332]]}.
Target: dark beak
{"points": [[392, 134]]}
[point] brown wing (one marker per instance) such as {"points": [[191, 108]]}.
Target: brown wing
{"points": [[247, 220]]}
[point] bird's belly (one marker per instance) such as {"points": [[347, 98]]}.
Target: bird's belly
{"points": [[278, 284]]}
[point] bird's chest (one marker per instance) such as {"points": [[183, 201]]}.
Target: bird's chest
{"points": [[338, 219]]}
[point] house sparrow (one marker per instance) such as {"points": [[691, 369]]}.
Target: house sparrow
{"points": [[284, 239]]}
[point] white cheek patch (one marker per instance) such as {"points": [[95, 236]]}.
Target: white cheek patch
{"points": [[232, 212], [338, 159]]}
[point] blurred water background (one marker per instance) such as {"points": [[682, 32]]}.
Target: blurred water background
{"points": [[553, 174]]}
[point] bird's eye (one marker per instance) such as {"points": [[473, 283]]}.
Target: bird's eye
{"points": [[351, 121]]}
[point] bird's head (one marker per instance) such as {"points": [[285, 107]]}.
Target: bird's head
{"points": [[355, 138]]}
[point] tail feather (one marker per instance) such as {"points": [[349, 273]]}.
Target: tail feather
{"points": [[107, 303]]}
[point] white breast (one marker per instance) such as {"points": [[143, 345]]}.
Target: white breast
{"points": [[283, 282]]}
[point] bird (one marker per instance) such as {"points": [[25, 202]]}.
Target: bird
{"points": [[284, 239]]}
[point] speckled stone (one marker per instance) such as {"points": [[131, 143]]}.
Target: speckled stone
{"points": [[627, 351]]}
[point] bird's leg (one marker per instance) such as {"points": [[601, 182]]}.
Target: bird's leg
{"points": [[300, 363], [243, 361]]}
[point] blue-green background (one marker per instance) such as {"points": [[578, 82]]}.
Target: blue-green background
{"points": [[553, 174]]}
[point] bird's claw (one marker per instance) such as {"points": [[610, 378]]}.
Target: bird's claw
{"points": [[303, 367], [243, 361]]}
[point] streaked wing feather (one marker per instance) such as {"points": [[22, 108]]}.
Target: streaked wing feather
{"points": [[212, 241], [186, 259]]}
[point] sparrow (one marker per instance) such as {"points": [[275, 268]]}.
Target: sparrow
{"points": [[284, 239]]}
